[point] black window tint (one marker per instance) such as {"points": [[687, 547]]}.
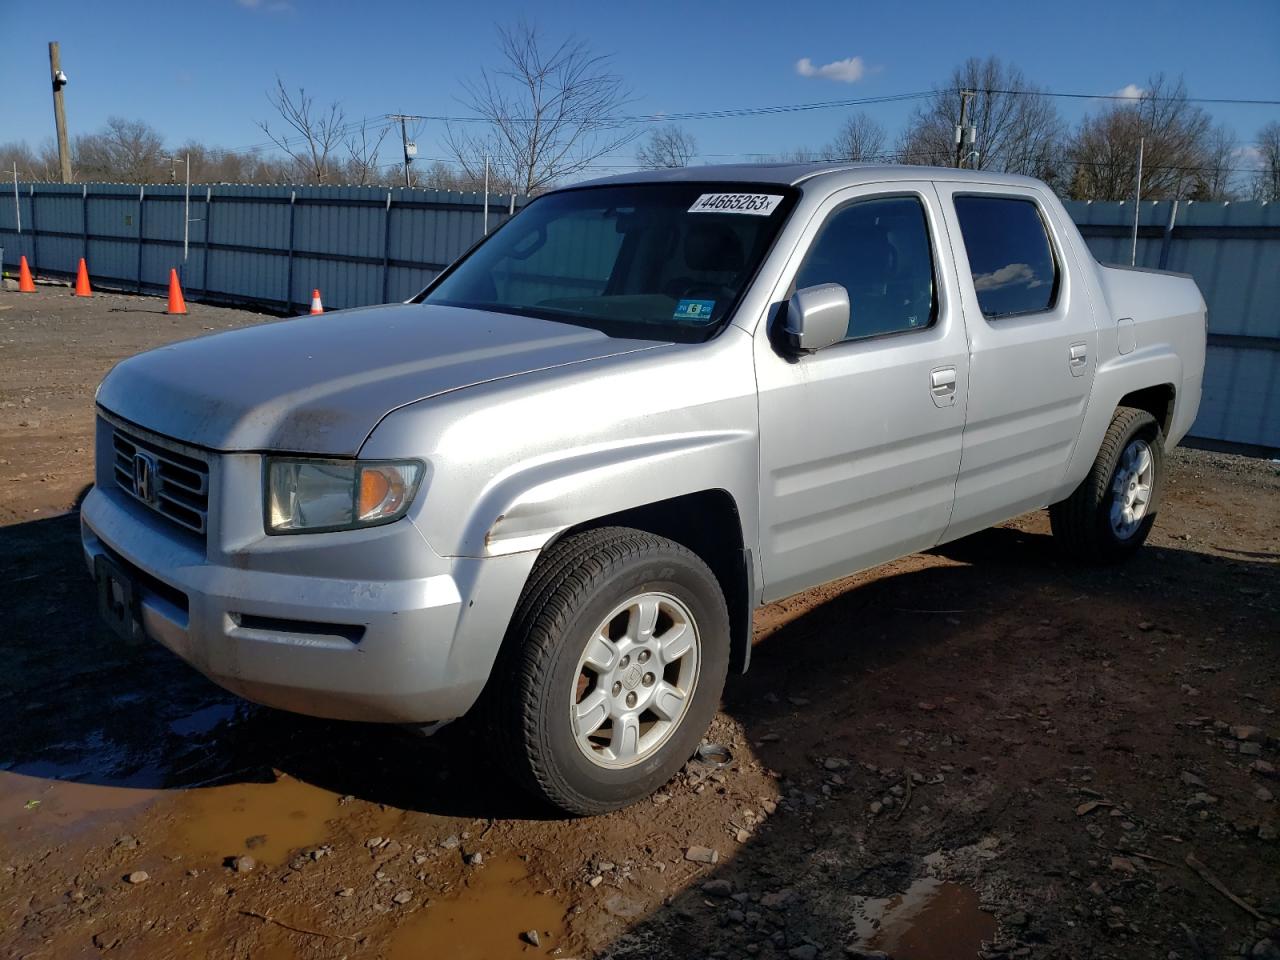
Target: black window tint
{"points": [[879, 251], [1009, 254]]}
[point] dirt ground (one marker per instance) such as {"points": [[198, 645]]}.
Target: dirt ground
{"points": [[978, 751]]}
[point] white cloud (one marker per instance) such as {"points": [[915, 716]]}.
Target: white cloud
{"points": [[271, 6], [1010, 275], [850, 70], [1247, 154], [1130, 91]]}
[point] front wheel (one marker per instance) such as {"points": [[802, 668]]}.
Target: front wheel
{"points": [[618, 655], [1110, 514]]}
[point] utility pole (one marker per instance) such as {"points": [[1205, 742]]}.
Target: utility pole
{"points": [[960, 127], [410, 149], [59, 111]]}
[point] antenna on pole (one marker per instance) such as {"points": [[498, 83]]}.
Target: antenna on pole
{"points": [[961, 129], [59, 111]]}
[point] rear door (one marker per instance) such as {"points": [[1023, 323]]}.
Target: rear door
{"points": [[1033, 346], [860, 441]]}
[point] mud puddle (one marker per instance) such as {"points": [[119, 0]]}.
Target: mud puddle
{"points": [[264, 820], [932, 920], [487, 919], [37, 808]]}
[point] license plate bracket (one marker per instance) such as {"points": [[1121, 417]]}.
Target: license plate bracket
{"points": [[117, 599]]}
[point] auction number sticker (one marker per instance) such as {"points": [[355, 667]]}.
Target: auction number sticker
{"points": [[756, 204]]}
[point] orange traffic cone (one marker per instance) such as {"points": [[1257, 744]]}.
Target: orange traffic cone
{"points": [[24, 277], [82, 281], [316, 305], [176, 304]]}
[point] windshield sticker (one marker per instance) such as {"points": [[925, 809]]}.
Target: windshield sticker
{"points": [[757, 204], [699, 311]]}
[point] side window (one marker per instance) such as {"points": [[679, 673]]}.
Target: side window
{"points": [[1009, 253], [879, 251]]}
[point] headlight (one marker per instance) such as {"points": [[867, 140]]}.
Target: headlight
{"points": [[309, 496]]}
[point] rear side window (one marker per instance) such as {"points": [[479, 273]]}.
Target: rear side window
{"points": [[1009, 253], [879, 251]]}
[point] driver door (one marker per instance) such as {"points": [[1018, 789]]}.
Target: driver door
{"points": [[860, 441]]}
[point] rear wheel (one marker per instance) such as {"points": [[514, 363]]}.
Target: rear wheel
{"points": [[1110, 514], [618, 654]]}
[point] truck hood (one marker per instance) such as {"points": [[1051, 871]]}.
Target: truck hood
{"points": [[319, 385]]}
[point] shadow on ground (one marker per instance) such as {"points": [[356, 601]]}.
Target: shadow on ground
{"points": [[91, 708], [977, 696]]}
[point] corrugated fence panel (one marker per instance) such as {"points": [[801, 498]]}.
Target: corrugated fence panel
{"points": [[1233, 251], [1240, 275], [273, 245], [1241, 401]]}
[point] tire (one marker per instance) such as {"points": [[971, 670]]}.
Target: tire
{"points": [[1091, 525], [609, 581]]}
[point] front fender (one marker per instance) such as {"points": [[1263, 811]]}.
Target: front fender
{"points": [[514, 463], [527, 506]]}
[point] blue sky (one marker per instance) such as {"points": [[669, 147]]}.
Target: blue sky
{"points": [[200, 68]]}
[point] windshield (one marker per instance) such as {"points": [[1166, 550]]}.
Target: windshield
{"points": [[662, 261]]}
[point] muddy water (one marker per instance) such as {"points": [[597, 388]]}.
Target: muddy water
{"points": [[264, 820], [485, 920], [932, 920], [37, 809]]}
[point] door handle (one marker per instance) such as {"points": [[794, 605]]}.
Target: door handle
{"points": [[942, 386], [1079, 359]]}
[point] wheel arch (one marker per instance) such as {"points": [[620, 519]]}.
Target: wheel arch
{"points": [[709, 523], [1156, 400]]}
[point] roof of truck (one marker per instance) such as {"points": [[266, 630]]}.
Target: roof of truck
{"points": [[796, 174]]}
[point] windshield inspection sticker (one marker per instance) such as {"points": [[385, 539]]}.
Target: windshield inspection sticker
{"points": [[699, 311], [757, 204]]}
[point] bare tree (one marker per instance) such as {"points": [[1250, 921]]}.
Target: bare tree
{"points": [[311, 134], [445, 176], [1266, 184], [213, 164], [362, 148], [1018, 127], [1217, 180], [548, 112], [859, 138], [130, 151], [19, 153], [1178, 142], [667, 146]]}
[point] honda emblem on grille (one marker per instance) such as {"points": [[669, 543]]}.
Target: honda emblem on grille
{"points": [[144, 477]]}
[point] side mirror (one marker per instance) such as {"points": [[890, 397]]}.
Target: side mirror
{"points": [[817, 317]]}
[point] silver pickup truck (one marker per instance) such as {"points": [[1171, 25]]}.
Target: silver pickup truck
{"points": [[551, 489]]}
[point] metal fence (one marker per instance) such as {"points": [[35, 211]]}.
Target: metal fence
{"points": [[1233, 251], [272, 245], [249, 244]]}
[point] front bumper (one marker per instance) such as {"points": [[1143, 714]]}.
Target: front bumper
{"points": [[303, 632]]}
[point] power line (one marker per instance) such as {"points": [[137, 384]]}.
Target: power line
{"points": [[1135, 99], [933, 158], [734, 112], [772, 109], [379, 122], [717, 114]]}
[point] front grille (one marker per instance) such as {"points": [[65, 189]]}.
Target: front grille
{"points": [[176, 486]]}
